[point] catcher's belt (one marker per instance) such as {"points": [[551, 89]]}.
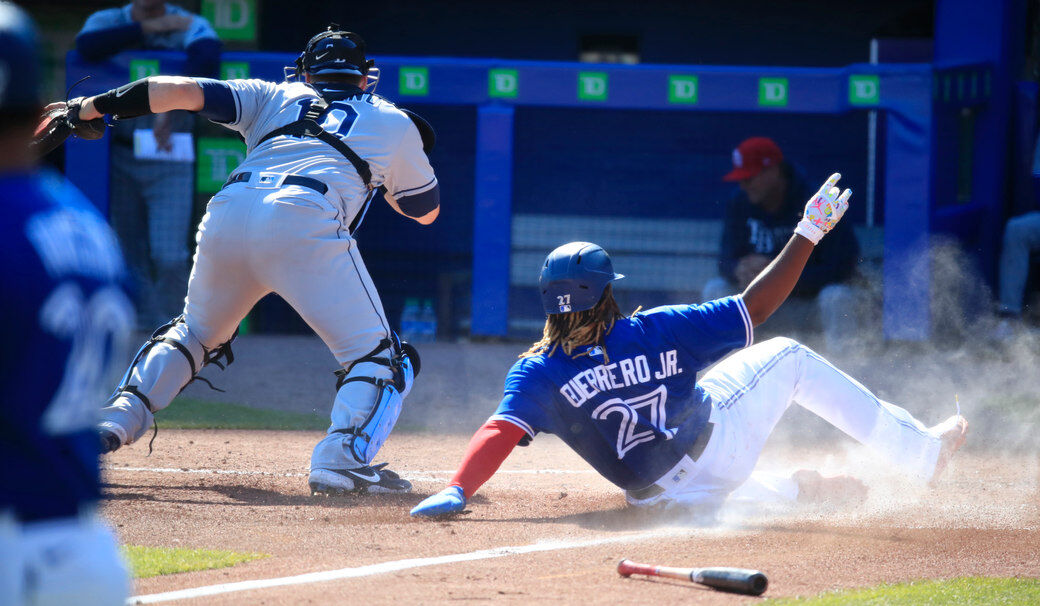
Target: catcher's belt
{"points": [[277, 180]]}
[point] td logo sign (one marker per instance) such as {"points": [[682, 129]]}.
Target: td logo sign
{"points": [[234, 70], [232, 19], [592, 86], [772, 92], [414, 81], [216, 158], [143, 68], [682, 89], [503, 83], [864, 89]]}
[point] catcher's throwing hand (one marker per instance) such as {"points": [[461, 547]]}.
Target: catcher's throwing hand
{"points": [[448, 501], [61, 120], [824, 210]]}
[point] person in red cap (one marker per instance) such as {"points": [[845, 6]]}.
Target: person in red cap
{"points": [[757, 222]]}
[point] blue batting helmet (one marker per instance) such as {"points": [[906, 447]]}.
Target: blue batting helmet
{"points": [[574, 277], [19, 60]]}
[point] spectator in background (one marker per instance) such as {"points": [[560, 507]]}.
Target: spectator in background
{"points": [[151, 197], [757, 224], [1021, 241]]}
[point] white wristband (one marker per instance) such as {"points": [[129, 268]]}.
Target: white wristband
{"points": [[810, 232]]}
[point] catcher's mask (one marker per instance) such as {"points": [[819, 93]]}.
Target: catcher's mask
{"points": [[334, 51], [574, 277]]}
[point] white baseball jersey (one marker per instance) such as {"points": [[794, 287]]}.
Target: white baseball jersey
{"points": [[372, 126], [265, 233]]}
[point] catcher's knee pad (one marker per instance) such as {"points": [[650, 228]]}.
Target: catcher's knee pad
{"points": [[406, 365], [163, 366]]}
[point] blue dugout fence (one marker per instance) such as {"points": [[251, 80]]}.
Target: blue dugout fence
{"points": [[914, 100]]}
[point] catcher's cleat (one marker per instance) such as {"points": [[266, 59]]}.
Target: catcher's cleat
{"points": [[374, 479], [110, 442], [952, 433]]}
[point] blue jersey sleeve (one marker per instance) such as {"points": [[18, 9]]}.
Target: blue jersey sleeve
{"points": [[526, 395], [200, 29], [707, 331], [104, 19]]}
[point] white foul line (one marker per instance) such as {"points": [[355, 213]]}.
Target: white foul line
{"points": [[393, 566], [428, 475], [230, 472]]}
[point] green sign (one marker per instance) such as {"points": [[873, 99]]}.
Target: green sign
{"points": [[234, 20], [682, 89], [864, 89], [215, 158], [592, 86], [772, 92], [503, 83], [234, 70], [413, 81], [143, 68]]}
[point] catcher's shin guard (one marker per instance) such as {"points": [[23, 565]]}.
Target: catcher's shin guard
{"points": [[163, 366], [370, 434], [369, 398]]}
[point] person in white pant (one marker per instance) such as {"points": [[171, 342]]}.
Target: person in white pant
{"points": [[319, 149], [623, 391], [68, 319]]}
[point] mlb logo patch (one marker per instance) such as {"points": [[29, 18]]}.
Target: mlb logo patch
{"points": [[565, 308], [596, 351]]}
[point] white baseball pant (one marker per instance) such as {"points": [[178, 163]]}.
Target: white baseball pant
{"points": [[59, 562], [254, 240], [751, 390]]}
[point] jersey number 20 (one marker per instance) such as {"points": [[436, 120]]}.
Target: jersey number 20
{"points": [[97, 326]]}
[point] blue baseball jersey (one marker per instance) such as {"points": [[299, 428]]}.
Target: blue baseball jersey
{"points": [[633, 417], [66, 323]]}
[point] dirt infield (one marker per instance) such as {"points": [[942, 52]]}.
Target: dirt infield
{"points": [[983, 519]]}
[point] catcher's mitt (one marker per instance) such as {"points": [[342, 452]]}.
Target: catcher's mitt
{"points": [[60, 121]]}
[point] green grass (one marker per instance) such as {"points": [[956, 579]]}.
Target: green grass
{"points": [[190, 413], [153, 561], [963, 590]]}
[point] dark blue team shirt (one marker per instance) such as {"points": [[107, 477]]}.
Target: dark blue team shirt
{"points": [[633, 418], [66, 319]]}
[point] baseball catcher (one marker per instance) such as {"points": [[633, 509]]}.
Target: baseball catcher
{"points": [[320, 147], [623, 391]]}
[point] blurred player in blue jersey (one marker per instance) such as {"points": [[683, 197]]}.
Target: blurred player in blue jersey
{"points": [[66, 323], [623, 392]]}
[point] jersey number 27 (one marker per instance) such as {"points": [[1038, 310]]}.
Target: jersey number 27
{"points": [[628, 433]]}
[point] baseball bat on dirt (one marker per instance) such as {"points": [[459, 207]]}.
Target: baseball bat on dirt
{"points": [[736, 580]]}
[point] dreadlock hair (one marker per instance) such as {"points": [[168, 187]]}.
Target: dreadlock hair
{"points": [[574, 329]]}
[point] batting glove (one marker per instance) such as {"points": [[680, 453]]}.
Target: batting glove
{"points": [[450, 500], [824, 210]]}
